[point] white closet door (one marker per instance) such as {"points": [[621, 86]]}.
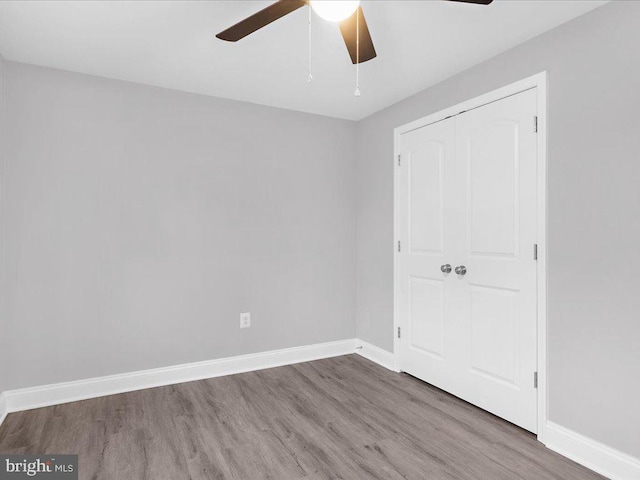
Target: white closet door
{"points": [[483, 321], [428, 186]]}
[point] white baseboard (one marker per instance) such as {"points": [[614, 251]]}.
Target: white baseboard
{"points": [[375, 354], [4, 410], [600, 458], [47, 395]]}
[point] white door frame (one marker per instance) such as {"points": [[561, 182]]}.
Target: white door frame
{"points": [[539, 82]]}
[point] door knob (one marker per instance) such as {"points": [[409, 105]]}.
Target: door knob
{"points": [[445, 268], [461, 270]]}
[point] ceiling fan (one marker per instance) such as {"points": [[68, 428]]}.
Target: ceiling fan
{"points": [[348, 12]]}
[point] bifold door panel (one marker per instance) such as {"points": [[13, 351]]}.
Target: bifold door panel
{"points": [[467, 215]]}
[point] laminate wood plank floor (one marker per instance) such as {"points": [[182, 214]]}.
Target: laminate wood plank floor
{"points": [[340, 418]]}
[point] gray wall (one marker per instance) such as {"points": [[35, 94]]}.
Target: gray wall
{"points": [[140, 222], [593, 227], [3, 367]]}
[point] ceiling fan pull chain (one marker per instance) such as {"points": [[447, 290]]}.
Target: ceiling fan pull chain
{"points": [[357, 92], [310, 77]]}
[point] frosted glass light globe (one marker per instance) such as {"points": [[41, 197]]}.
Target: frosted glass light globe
{"points": [[335, 10]]}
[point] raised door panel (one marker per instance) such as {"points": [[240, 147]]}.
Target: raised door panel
{"points": [[426, 198], [426, 315], [494, 334], [492, 166]]}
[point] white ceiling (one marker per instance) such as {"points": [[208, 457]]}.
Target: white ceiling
{"points": [[171, 44]]}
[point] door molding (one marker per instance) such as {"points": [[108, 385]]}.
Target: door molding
{"points": [[539, 82]]}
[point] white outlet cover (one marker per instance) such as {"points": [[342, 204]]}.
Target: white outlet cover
{"points": [[245, 320]]}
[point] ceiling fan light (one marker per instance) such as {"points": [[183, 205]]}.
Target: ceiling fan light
{"points": [[335, 10]]}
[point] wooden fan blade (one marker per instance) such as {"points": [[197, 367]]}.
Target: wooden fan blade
{"points": [[479, 2], [348, 27], [258, 20]]}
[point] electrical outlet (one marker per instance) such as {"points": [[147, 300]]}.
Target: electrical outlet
{"points": [[245, 320]]}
